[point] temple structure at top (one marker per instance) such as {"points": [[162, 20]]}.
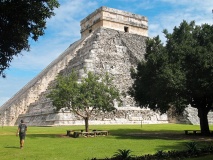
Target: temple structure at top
{"points": [[114, 19]]}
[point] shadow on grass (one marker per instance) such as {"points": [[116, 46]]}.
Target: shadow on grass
{"points": [[33, 136], [139, 134], [12, 147], [178, 136], [165, 135]]}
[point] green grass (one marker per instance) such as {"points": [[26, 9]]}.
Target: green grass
{"points": [[50, 143]]}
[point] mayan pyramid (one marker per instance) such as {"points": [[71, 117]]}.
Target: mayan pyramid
{"points": [[111, 41]]}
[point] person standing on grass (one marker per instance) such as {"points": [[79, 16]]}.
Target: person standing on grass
{"points": [[22, 128]]}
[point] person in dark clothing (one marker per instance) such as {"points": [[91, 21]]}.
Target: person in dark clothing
{"points": [[22, 128]]}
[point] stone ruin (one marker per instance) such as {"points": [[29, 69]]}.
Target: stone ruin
{"points": [[111, 41]]}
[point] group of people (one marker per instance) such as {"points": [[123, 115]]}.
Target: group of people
{"points": [[22, 128]]}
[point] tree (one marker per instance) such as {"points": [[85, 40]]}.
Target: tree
{"points": [[179, 73], [92, 93], [19, 20]]}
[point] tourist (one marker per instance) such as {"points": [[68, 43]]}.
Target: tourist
{"points": [[22, 128]]}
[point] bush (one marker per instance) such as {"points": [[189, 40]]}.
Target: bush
{"points": [[191, 151], [122, 155]]}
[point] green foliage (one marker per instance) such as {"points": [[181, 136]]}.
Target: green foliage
{"points": [[192, 148], [192, 151], [178, 73], [19, 20], [92, 93], [160, 154], [122, 154], [65, 91]]}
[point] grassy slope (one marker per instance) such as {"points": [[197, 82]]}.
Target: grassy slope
{"points": [[49, 143]]}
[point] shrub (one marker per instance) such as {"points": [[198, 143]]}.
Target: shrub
{"points": [[192, 151], [122, 154], [192, 148]]}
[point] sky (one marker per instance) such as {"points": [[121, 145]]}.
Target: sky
{"points": [[64, 28]]}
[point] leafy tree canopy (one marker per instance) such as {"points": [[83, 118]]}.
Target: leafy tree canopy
{"points": [[92, 93], [179, 73], [19, 20]]}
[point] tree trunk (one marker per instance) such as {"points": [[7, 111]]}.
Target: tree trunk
{"points": [[86, 120], [204, 124]]}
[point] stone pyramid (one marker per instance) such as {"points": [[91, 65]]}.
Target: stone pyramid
{"points": [[111, 40]]}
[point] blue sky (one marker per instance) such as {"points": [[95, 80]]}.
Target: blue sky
{"points": [[64, 29]]}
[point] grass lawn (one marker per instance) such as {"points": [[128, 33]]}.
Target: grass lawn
{"points": [[50, 143]]}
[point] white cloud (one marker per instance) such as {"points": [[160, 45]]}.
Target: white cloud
{"points": [[41, 55], [197, 10]]}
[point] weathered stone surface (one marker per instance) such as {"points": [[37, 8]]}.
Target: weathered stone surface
{"points": [[105, 49]]}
